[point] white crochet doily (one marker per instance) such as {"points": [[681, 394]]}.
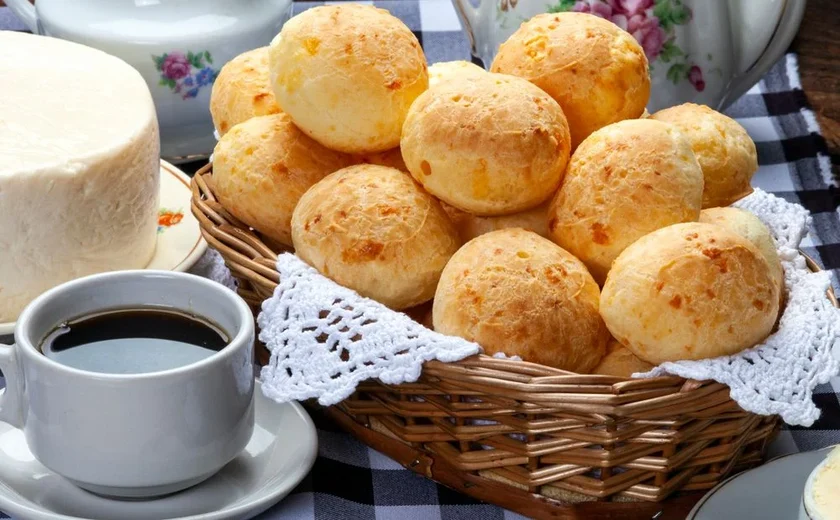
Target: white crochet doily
{"points": [[324, 338]]}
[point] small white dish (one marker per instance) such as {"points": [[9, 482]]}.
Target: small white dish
{"points": [[809, 508], [179, 244], [279, 455], [772, 491]]}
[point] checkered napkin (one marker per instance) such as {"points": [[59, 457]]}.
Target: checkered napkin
{"points": [[350, 480]]}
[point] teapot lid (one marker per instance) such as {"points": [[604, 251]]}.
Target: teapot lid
{"points": [[152, 21]]}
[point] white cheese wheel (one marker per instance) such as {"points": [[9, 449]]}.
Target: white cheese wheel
{"points": [[79, 166]]}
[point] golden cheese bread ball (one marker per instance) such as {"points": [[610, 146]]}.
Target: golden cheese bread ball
{"points": [[242, 90], [347, 75], [489, 145], [753, 229], [725, 151], [620, 362], [595, 70], [392, 158], [470, 226], [690, 291], [446, 70], [373, 229], [624, 181], [514, 292], [263, 166]]}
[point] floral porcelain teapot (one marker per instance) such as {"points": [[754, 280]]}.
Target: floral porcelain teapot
{"points": [[703, 51], [178, 46]]}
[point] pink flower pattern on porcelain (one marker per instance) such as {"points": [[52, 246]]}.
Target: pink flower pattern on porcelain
{"points": [[175, 66], [652, 23], [185, 74]]}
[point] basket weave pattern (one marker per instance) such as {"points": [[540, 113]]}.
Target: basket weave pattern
{"points": [[535, 430]]}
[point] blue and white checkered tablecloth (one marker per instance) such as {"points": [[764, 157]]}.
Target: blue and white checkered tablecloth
{"points": [[350, 480]]}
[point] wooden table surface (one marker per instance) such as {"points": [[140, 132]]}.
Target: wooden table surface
{"points": [[818, 46]]}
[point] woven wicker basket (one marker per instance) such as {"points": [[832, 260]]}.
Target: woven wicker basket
{"points": [[541, 441]]}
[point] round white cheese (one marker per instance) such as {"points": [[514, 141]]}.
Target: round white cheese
{"points": [[79, 166]]}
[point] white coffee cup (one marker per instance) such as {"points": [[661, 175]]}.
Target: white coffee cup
{"points": [[132, 435]]}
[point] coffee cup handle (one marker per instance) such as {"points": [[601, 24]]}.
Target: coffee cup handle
{"points": [[469, 16], [791, 17], [26, 12], [11, 399]]}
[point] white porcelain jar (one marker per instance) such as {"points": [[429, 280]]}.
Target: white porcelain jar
{"points": [[178, 46], [708, 52]]}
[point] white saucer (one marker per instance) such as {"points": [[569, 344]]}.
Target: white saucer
{"points": [[280, 454], [772, 491], [179, 244]]}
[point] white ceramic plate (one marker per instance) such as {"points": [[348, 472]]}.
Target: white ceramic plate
{"points": [[280, 454], [179, 244], [772, 491]]}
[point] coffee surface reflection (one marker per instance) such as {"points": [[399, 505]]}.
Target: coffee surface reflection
{"points": [[133, 341]]}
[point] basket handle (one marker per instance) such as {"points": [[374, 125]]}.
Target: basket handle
{"points": [[690, 385]]}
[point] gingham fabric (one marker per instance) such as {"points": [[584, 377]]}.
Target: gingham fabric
{"points": [[350, 480]]}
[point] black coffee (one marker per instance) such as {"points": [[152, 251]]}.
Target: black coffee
{"points": [[133, 341]]}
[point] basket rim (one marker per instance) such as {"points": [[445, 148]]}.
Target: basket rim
{"points": [[440, 467]]}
